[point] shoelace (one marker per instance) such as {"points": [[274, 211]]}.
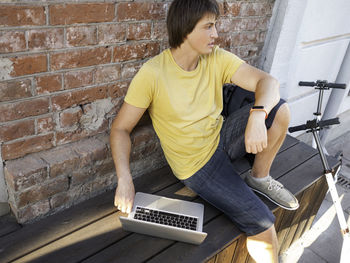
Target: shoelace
{"points": [[274, 184]]}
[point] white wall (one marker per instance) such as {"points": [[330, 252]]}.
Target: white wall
{"points": [[307, 41]]}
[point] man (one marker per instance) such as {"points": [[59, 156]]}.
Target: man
{"points": [[182, 90]]}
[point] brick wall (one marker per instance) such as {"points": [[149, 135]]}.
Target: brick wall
{"points": [[64, 69]]}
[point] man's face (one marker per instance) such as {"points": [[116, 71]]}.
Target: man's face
{"points": [[202, 38]]}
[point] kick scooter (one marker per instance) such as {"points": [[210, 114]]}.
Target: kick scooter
{"points": [[315, 126]]}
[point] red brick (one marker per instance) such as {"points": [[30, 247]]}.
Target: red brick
{"points": [[42, 191], [159, 31], [251, 23], [48, 84], [78, 79], [19, 110], [81, 36], [64, 137], [45, 124], [138, 31], [227, 25], [20, 148], [232, 9], [130, 69], [80, 58], [119, 89], [16, 130], [61, 199], [107, 74], [262, 37], [224, 40], [139, 153], [76, 97], [111, 33], [135, 51], [255, 9], [93, 172], [61, 160], [12, 90], [68, 137], [141, 11], [65, 14], [247, 51], [16, 15], [32, 211], [25, 172], [142, 136], [12, 41], [103, 182], [70, 117], [28, 65], [90, 151], [42, 39], [245, 38], [117, 102]]}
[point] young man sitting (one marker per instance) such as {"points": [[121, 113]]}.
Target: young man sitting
{"points": [[182, 90]]}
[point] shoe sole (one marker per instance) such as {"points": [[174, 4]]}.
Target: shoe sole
{"points": [[273, 201]]}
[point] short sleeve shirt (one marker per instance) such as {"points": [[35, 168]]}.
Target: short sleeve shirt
{"points": [[185, 106]]}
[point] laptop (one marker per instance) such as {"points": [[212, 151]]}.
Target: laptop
{"points": [[166, 218]]}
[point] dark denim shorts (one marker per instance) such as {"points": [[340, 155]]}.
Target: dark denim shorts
{"points": [[219, 184]]}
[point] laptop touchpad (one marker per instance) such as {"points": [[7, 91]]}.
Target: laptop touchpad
{"points": [[169, 205]]}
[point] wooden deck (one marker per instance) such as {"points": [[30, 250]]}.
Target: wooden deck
{"points": [[91, 231]]}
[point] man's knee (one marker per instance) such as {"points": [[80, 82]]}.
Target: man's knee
{"points": [[282, 117]]}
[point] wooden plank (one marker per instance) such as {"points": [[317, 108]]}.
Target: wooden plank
{"points": [[306, 213], [296, 180], [8, 224], [220, 232], [321, 191], [241, 252], [289, 141], [212, 260], [278, 213], [284, 226], [36, 235], [304, 204], [288, 160], [226, 255]]}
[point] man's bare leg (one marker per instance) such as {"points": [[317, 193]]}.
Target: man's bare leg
{"points": [[263, 247], [275, 137]]}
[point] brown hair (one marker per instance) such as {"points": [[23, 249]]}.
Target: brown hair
{"points": [[183, 15]]}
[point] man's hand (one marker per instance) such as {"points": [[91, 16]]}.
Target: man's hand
{"points": [[256, 133], [125, 194]]}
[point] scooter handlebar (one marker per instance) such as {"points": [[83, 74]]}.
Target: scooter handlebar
{"points": [[323, 83]]}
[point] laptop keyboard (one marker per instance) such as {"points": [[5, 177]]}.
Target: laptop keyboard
{"points": [[165, 218]]}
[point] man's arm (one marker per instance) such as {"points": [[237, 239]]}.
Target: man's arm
{"points": [[267, 94], [266, 87], [122, 126]]}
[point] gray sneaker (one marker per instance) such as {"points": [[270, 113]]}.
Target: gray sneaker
{"points": [[274, 191]]}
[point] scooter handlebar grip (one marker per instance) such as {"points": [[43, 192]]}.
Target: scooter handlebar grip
{"points": [[307, 83], [329, 122], [297, 128], [337, 85]]}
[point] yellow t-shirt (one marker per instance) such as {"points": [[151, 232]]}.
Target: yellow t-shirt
{"points": [[184, 106]]}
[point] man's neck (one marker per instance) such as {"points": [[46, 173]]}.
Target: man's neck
{"points": [[186, 59]]}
